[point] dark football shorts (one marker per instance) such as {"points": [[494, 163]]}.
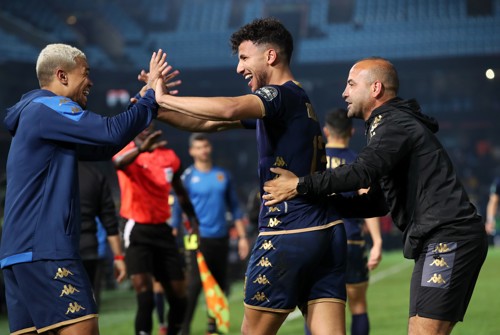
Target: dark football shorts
{"points": [[45, 295], [296, 268], [153, 249], [357, 260], [444, 277]]}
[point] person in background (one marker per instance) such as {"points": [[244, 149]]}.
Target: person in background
{"points": [[146, 172], [213, 194], [492, 207], [47, 288], [97, 205], [338, 131], [442, 230]]}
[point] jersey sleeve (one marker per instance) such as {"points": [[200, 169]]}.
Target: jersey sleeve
{"points": [[66, 121], [271, 97], [387, 146]]}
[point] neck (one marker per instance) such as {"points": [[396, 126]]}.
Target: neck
{"points": [[203, 166], [337, 142]]}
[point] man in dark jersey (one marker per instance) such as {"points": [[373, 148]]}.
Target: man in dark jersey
{"points": [[442, 230], [299, 256]]}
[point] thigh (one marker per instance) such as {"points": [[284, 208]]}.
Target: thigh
{"points": [[261, 322], [326, 318], [53, 293], [328, 274], [444, 278]]}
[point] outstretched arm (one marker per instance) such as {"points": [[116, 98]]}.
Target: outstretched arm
{"points": [[211, 108]]}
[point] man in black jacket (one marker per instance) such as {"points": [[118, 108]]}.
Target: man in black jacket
{"points": [[441, 228]]}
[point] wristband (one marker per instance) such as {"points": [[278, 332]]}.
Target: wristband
{"points": [[119, 257]]}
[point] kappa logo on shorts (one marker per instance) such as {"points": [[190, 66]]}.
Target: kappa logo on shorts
{"points": [[68, 289], [437, 279], [267, 92], [62, 272], [262, 279], [260, 296], [264, 261], [438, 265], [267, 245], [273, 222], [74, 307]]}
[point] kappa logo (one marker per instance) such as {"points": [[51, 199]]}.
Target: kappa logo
{"points": [[437, 279], [262, 279], [264, 261], [68, 289], [62, 272], [74, 308], [439, 262], [260, 296], [267, 245], [267, 92], [273, 222]]}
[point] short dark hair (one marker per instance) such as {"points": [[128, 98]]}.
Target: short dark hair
{"points": [[197, 137], [338, 122], [262, 31]]}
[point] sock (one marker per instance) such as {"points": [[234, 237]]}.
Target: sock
{"points": [[360, 324], [160, 307], [211, 327], [143, 318], [176, 313]]}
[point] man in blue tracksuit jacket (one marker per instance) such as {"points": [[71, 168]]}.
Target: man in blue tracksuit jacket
{"points": [[46, 285]]}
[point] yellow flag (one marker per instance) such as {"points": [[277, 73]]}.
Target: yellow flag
{"points": [[217, 305]]}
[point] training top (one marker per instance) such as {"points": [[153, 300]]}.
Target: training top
{"points": [[427, 201], [145, 185], [50, 133], [289, 136], [212, 194], [334, 158]]}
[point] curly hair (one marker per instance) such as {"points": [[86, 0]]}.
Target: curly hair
{"points": [[262, 31]]}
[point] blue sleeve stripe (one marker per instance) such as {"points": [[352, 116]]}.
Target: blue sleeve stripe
{"points": [[25, 257], [62, 105]]}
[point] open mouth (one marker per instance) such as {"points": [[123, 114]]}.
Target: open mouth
{"points": [[249, 77], [86, 92]]}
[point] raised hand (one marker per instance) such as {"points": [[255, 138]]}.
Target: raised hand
{"points": [[151, 142], [157, 65]]}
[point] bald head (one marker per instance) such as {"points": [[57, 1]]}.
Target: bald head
{"points": [[371, 82], [381, 69]]}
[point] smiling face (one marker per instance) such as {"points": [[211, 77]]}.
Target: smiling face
{"points": [[78, 82], [358, 92], [252, 64]]}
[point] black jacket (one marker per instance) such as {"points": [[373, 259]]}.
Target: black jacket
{"points": [[95, 201], [426, 200]]}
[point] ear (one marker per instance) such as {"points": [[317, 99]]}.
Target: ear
{"points": [[62, 76], [325, 131], [271, 55], [377, 89]]}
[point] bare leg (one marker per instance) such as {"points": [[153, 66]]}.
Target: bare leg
{"points": [[86, 327], [326, 318], [418, 325], [258, 322]]}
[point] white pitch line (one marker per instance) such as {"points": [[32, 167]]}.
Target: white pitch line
{"points": [[373, 279]]}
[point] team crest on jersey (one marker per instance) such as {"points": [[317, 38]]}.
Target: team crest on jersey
{"points": [[220, 177], [267, 92]]}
